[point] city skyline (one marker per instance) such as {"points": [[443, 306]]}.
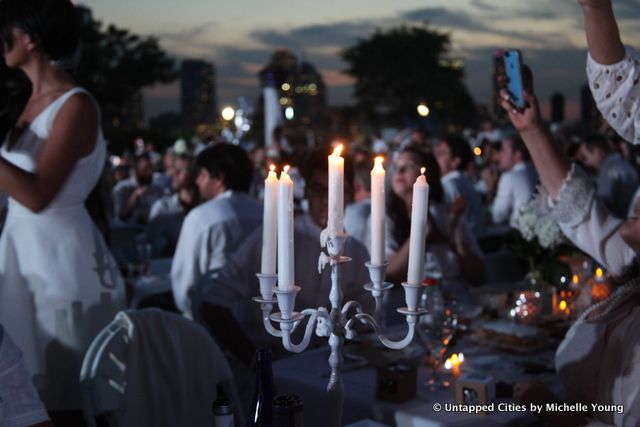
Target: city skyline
{"points": [[239, 38]]}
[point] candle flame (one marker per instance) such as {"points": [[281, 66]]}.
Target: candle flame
{"points": [[272, 168], [337, 151], [378, 164], [285, 169], [454, 360], [422, 170]]}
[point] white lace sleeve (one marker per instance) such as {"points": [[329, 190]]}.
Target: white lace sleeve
{"points": [[616, 90], [574, 200], [587, 223]]}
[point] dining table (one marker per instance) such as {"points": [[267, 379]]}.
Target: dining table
{"points": [[307, 374]]}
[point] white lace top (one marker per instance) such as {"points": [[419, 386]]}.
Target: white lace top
{"points": [[587, 223], [616, 90]]}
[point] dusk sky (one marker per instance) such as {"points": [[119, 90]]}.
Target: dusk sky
{"points": [[239, 37]]}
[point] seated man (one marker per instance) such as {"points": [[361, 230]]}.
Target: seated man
{"points": [[216, 228], [133, 197], [19, 401], [517, 182], [168, 212], [234, 285]]}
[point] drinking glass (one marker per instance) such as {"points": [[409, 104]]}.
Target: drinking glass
{"points": [[437, 333]]}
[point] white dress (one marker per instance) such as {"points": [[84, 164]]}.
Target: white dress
{"points": [[59, 284]]}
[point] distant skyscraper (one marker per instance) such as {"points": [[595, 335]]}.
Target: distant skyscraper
{"points": [[198, 92], [557, 107], [301, 90]]}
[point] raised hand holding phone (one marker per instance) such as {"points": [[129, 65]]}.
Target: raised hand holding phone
{"points": [[515, 82]]}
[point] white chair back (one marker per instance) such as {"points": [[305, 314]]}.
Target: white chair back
{"points": [[155, 366]]}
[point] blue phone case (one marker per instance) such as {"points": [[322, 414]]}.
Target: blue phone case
{"points": [[513, 71]]}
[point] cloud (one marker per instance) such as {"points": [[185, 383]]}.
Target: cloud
{"points": [[339, 34], [184, 35], [459, 21], [476, 31], [446, 17]]}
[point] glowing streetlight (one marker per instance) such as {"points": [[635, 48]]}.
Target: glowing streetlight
{"points": [[228, 113], [289, 113], [423, 110]]}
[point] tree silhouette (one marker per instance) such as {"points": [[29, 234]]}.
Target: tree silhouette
{"points": [[114, 65], [397, 69]]}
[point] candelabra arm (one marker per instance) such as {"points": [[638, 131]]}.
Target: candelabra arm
{"points": [[287, 329], [348, 305], [394, 345], [266, 321]]}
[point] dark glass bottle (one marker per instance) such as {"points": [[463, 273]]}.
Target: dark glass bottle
{"points": [[222, 412], [287, 411], [261, 406]]}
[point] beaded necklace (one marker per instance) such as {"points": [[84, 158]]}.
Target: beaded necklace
{"points": [[624, 291]]}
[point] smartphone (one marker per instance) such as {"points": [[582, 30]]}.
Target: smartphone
{"points": [[513, 71]]}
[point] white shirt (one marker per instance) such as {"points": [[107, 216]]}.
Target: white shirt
{"points": [[515, 188], [357, 221], [617, 94], [455, 185], [210, 233], [166, 205]]}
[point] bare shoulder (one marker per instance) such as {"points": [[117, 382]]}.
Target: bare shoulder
{"points": [[80, 102], [80, 111]]}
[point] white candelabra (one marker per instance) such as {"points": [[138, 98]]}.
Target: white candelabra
{"points": [[339, 322]]}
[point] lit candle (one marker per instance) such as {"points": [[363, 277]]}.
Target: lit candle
{"points": [[454, 363], [285, 232], [270, 222], [419, 212], [336, 192], [377, 212]]}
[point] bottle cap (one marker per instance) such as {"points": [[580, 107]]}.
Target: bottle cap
{"points": [[284, 402], [222, 406]]}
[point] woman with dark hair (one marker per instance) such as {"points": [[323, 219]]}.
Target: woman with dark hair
{"points": [[448, 239], [59, 285]]}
